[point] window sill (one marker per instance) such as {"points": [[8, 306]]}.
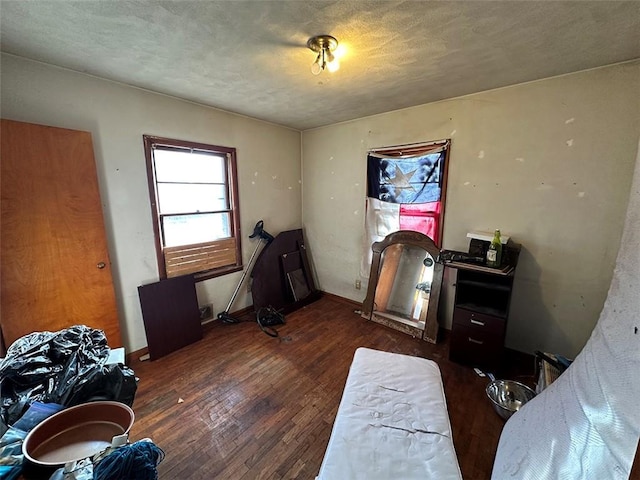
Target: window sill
{"points": [[218, 272]]}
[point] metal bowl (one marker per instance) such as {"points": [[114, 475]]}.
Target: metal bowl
{"points": [[76, 433], [508, 396]]}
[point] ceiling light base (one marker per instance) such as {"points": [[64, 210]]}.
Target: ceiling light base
{"points": [[323, 45], [320, 42]]}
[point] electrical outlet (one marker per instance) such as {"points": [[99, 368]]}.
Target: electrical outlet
{"points": [[358, 285]]}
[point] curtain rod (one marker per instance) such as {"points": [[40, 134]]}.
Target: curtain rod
{"points": [[410, 146]]}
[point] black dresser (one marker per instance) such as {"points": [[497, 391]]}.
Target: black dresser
{"points": [[481, 308]]}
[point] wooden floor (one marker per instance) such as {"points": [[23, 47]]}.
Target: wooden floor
{"points": [[242, 405]]}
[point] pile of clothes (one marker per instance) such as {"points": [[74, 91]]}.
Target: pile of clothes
{"points": [[44, 372]]}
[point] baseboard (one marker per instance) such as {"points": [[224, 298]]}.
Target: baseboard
{"points": [[135, 355], [338, 298]]}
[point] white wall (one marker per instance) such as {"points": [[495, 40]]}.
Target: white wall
{"points": [[117, 116], [548, 162]]}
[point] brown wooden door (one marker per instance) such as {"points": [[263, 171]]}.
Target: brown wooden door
{"points": [[55, 269]]}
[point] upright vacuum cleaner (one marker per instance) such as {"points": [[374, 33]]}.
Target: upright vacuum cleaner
{"points": [[258, 231]]}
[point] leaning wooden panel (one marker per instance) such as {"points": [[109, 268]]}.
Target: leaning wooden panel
{"points": [[55, 265], [170, 315]]}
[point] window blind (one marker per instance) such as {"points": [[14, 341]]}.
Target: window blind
{"points": [[200, 257]]}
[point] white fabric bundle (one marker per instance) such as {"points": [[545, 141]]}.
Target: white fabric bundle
{"points": [[586, 424]]}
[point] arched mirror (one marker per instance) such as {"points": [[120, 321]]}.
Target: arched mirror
{"points": [[404, 284]]}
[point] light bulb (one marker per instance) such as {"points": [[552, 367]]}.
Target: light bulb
{"points": [[334, 65], [331, 61], [317, 67], [328, 56]]}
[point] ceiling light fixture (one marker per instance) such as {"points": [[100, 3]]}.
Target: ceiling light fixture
{"points": [[324, 45]]}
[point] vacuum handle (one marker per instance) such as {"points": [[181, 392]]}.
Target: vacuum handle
{"points": [[258, 231], [244, 274]]}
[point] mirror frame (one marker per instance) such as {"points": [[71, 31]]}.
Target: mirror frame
{"points": [[406, 237]]}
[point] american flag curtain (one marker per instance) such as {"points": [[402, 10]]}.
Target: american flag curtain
{"points": [[404, 192]]}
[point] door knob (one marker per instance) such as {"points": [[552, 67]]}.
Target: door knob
{"points": [[101, 265]]}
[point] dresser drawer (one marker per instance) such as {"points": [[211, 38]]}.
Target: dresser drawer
{"points": [[478, 321], [475, 347]]}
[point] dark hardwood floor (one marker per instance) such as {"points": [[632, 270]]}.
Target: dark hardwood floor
{"points": [[241, 405]]}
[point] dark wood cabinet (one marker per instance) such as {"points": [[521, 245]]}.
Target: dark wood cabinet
{"points": [[481, 312]]}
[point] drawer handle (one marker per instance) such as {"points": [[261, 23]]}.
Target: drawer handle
{"points": [[477, 322], [477, 342]]}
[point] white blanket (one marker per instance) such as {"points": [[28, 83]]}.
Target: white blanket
{"points": [[392, 422], [586, 425]]}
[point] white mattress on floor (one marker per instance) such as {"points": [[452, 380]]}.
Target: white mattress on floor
{"points": [[392, 422]]}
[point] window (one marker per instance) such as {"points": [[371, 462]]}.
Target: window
{"points": [[194, 202]]}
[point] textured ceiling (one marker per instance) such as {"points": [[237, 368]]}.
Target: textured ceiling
{"points": [[250, 57]]}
